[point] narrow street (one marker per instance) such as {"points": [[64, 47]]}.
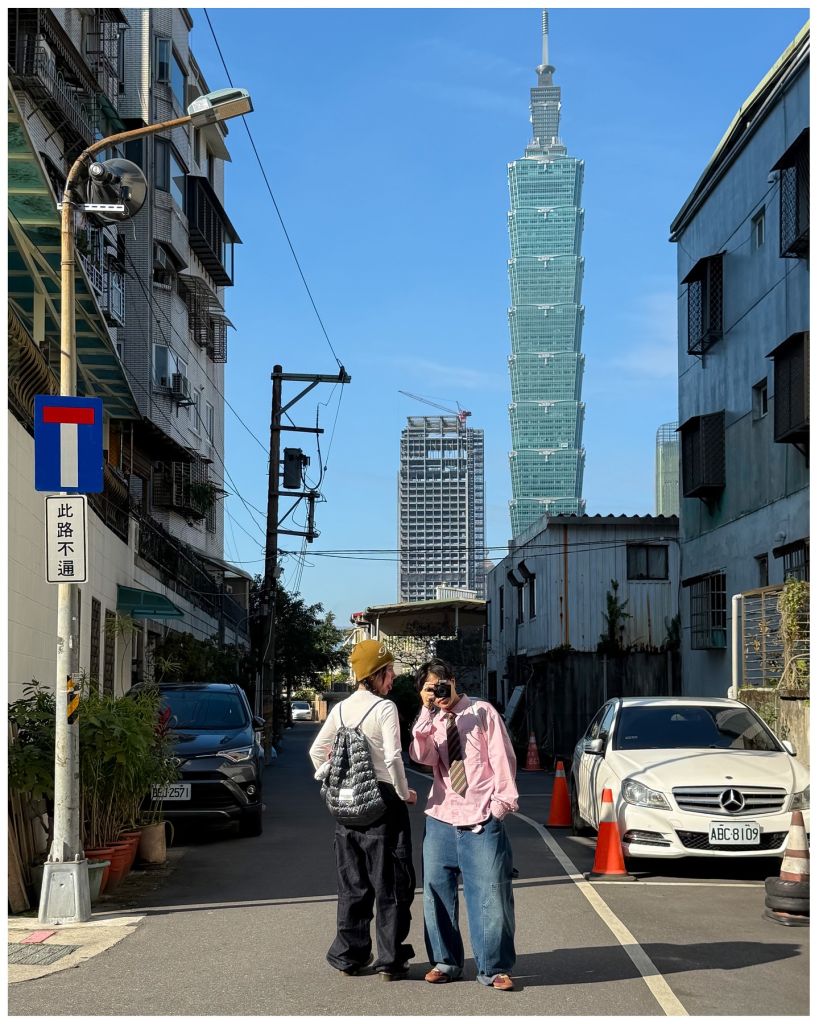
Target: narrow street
{"points": [[242, 926]]}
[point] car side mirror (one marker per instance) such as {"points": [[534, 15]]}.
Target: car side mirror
{"points": [[593, 747], [789, 747], [258, 723]]}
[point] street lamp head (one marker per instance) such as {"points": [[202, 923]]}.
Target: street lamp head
{"points": [[219, 106]]}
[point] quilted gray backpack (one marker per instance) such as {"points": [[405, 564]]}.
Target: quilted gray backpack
{"points": [[350, 788]]}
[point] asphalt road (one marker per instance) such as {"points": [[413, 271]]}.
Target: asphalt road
{"points": [[242, 926]]}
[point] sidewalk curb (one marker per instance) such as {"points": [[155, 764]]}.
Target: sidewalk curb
{"points": [[91, 938]]}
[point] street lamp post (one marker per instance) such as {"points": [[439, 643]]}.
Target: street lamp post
{"points": [[65, 897]]}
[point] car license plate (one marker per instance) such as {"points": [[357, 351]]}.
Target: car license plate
{"points": [[734, 833], [174, 791]]}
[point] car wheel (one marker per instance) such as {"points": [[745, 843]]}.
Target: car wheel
{"points": [[250, 824], [782, 887], [579, 827], [790, 904]]}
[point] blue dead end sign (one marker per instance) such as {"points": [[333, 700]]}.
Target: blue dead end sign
{"points": [[68, 444]]}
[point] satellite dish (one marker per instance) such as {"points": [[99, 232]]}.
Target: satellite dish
{"points": [[115, 181]]}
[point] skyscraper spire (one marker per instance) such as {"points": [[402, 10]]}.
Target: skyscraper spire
{"points": [[545, 62]]}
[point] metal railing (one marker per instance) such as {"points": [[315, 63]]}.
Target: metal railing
{"points": [[39, 66]]}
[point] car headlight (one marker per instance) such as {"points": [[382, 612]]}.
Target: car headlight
{"points": [[241, 754], [636, 793], [800, 801]]}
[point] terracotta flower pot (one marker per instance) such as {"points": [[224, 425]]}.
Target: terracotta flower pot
{"points": [[120, 858], [101, 853], [132, 838]]}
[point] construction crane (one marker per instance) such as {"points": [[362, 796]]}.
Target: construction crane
{"points": [[459, 412]]}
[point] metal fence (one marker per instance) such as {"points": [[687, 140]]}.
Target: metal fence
{"points": [[768, 660]]}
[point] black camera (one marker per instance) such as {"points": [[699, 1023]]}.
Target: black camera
{"points": [[442, 690]]}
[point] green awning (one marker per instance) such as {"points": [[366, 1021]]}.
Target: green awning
{"points": [[145, 604]]}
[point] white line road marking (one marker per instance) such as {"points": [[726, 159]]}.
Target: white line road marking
{"points": [[69, 455], [710, 885], [658, 986]]}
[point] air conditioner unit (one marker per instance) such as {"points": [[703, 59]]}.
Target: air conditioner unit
{"points": [[180, 385], [161, 259]]}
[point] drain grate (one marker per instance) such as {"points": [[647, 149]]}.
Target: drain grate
{"points": [[37, 955]]}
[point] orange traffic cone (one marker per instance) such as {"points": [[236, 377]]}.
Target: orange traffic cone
{"points": [[560, 813], [608, 856], [532, 756], [786, 899]]}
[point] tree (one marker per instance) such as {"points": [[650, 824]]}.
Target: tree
{"points": [[615, 615]]}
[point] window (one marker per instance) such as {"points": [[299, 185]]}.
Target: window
{"points": [[211, 167], [794, 198], [647, 561], [500, 609], [209, 420], [795, 560], [162, 368], [704, 282], [758, 229], [195, 414], [135, 152], [708, 612], [489, 622], [196, 145], [177, 180], [762, 569], [703, 455], [162, 165], [760, 399], [163, 60], [178, 79], [519, 594], [532, 598], [791, 400]]}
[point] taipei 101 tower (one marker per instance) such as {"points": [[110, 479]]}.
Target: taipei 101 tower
{"points": [[545, 315]]}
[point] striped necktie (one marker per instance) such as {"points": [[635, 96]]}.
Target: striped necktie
{"points": [[457, 775]]}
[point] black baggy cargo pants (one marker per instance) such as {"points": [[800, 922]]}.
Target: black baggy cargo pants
{"points": [[375, 873]]}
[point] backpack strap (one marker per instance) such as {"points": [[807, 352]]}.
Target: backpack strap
{"points": [[371, 708]]}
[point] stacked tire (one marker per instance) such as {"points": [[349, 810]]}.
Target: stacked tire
{"points": [[787, 902]]}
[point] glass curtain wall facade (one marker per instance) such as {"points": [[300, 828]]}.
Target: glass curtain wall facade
{"points": [[440, 508], [545, 316]]}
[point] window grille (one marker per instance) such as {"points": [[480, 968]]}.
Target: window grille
{"points": [[794, 199], [705, 295], [110, 650], [647, 561], [795, 560], [791, 398], [708, 612], [703, 455], [94, 661]]}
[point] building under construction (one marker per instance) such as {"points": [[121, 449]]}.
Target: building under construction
{"points": [[440, 507]]}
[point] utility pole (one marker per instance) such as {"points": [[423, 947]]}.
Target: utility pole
{"points": [[269, 682]]}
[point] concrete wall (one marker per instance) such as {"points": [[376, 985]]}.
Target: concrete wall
{"points": [[765, 500]]}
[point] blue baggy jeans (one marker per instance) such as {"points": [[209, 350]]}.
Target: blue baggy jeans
{"points": [[484, 859]]}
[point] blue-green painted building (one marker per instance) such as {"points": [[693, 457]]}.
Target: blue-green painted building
{"points": [[545, 315]]}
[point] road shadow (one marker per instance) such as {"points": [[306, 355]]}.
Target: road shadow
{"points": [[592, 965]]}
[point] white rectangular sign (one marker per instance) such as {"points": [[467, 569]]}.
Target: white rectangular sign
{"points": [[66, 538]]}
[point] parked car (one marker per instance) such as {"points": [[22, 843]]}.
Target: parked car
{"points": [[219, 755], [300, 711], [689, 777]]}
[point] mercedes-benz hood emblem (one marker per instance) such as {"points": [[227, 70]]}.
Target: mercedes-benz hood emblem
{"points": [[732, 801]]}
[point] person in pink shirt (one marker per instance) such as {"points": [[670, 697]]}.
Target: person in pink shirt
{"points": [[473, 789]]}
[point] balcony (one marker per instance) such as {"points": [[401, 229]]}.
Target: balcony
{"points": [[63, 102], [180, 568], [210, 233]]}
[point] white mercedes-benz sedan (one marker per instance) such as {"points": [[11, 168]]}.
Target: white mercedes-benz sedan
{"points": [[690, 777]]}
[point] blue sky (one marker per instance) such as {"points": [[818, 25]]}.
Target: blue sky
{"points": [[385, 136]]}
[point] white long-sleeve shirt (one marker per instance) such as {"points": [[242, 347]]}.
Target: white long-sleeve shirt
{"points": [[381, 729]]}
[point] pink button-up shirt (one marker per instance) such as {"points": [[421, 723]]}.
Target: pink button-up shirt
{"points": [[489, 762]]}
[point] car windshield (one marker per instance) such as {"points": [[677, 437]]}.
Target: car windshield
{"points": [[204, 709], [301, 705], [671, 726]]}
